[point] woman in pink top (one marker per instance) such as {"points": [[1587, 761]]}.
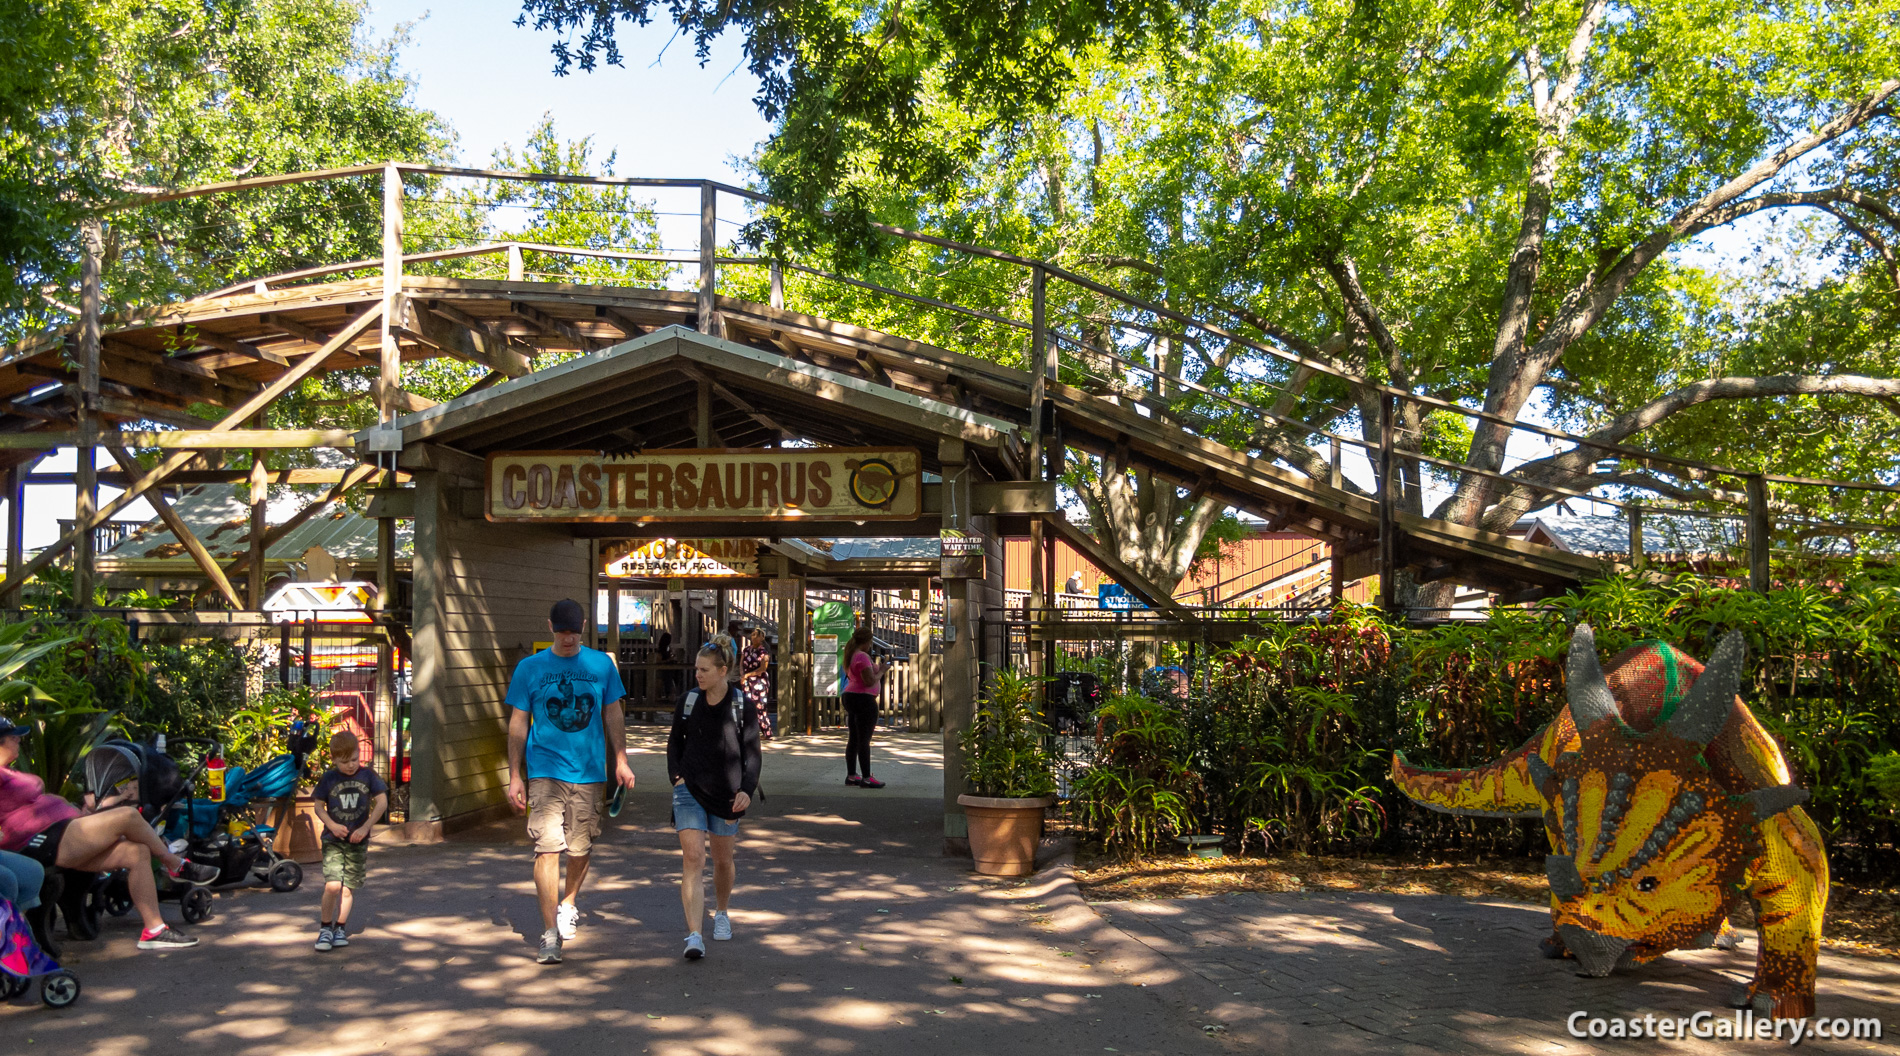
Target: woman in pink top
{"points": [[53, 832], [863, 679]]}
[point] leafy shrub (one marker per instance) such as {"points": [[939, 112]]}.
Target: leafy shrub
{"points": [[1003, 748], [1139, 790], [1286, 738]]}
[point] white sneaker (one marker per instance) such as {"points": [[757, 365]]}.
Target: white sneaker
{"points": [[568, 919], [722, 927], [695, 947]]}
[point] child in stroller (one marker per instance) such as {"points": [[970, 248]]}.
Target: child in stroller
{"points": [[219, 835]]}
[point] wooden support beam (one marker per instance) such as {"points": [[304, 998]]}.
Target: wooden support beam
{"points": [[389, 364], [708, 305], [260, 524], [736, 400], [193, 545], [620, 321], [351, 477], [148, 411], [1104, 559], [487, 344], [445, 459], [546, 323], [190, 477], [86, 493], [173, 463], [1760, 529], [189, 439], [231, 345], [16, 479], [37, 412]]}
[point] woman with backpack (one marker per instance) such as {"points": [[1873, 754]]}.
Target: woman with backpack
{"points": [[712, 758], [863, 681]]}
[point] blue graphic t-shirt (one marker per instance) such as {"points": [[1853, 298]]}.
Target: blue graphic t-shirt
{"points": [[564, 696]]}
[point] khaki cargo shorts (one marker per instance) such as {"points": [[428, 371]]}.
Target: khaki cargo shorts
{"points": [[563, 816]]}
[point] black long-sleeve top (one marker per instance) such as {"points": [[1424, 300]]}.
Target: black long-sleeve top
{"points": [[716, 749]]}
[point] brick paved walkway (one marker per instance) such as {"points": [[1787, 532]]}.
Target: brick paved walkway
{"points": [[1449, 975]]}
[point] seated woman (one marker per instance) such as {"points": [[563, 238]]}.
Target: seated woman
{"points": [[53, 832]]}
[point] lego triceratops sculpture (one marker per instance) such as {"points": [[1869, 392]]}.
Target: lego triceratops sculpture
{"points": [[1666, 804]]}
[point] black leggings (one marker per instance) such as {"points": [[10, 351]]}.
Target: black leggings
{"points": [[860, 716]]}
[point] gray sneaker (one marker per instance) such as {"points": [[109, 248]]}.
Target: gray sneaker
{"points": [[722, 927], [550, 947], [695, 947], [326, 939]]}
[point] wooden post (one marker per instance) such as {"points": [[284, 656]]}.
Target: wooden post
{"points": [[1388, 545], [960, 655], [389, 366], [386, 560], [1336, 587], [515, 270], [86, 495], [1333, 474], [1038, 370], [708, 263], [1759, 531], [260, 528], [778, 286], [16, 530], [1636, 535]]}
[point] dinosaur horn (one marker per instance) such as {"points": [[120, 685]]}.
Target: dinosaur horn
{"points": [[1590, 699], [1565, 880], [1770, 801], [1705, 709]]}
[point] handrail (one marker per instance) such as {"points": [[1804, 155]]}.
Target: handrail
{"points": [[1077, 279]]}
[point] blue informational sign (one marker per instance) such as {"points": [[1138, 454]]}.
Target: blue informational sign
{"points": [[1115, 596]]}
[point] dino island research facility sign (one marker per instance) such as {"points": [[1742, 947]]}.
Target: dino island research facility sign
{"points": [[730, 484]]}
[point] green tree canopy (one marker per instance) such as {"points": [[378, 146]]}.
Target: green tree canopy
{"points": [[1484, 205], [106, 101]]}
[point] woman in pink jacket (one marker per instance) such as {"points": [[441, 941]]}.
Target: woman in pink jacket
{"points": [[53, 832]]}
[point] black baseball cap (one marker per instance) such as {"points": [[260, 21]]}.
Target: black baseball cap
{"points": [[567, 615], [8, 729]]}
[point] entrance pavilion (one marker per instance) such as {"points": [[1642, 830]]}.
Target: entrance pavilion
{"points": [[500, 535]]}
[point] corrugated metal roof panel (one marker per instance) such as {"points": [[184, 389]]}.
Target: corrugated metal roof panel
{"points": [[222, 521]]}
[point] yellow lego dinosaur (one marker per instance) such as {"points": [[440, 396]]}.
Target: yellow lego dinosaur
{"points": [[1666, 804]]}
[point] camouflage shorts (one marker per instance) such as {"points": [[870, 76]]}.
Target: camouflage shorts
{"points": [[343, 863]]}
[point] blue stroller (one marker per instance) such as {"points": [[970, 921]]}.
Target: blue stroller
{"points": [[21, 959], [215, 834]]}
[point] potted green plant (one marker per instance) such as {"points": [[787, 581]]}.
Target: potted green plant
{"points": [[1011, 776]]}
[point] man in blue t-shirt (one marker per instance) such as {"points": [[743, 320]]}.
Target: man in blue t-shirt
{"points": [[566, 733]]}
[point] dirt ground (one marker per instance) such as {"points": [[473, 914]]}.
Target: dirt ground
{"points": [[1861, 919]]}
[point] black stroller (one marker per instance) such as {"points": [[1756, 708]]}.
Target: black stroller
{"points": [[215, 834]]}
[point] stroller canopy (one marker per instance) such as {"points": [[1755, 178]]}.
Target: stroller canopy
{"points": [[113, 762]]}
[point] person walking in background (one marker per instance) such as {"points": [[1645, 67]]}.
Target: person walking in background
{"points": [[566, 735], [756, 680], [863, 682], [712, 758]]}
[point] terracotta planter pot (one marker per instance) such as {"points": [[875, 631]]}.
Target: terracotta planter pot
{"points": [[297, 829], [1004, 833]]}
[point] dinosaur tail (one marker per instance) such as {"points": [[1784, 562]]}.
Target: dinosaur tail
{"points": [[1503, 789]]}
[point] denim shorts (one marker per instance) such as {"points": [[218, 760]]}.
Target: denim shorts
{"points": [[688, 814]]}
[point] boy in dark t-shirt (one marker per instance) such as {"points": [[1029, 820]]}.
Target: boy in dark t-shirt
{"points": [[350, 797]]}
